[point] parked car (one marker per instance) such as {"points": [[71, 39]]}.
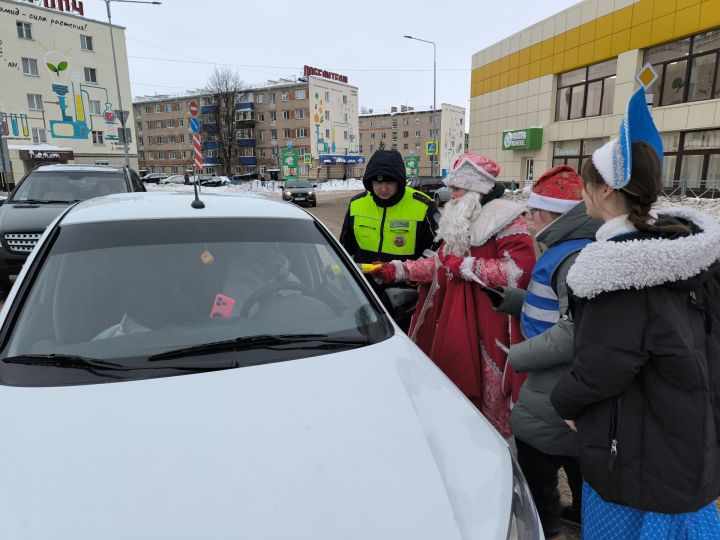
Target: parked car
{"points": [[239, 390], [426, 185], [213, 181], [174, 179], [45, 192], [299, 192], [442, 195], [154, 178]]}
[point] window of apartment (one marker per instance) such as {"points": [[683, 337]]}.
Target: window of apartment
{"points": [[39, 135], [433, 133], [575, 153], [158, 108], [183, 154], [273, 134], [260, 135], [97, 137], [174, 169], [300, 94], [91, 75], [587, 91], [151, 140], [327, 95], [405, 146], [345, 135], [170, 123], [272, 97], [286, 115], [35, 101], [259, 98], [172, 154], [285, 96], [345, 99], [417, 119], [345, 117], [417, 134], [141, 141], [260, 117], [302, 132], [171, 139], [86, 43], [692, 160], [372, 135], [261, 152], [372, 123], [142, 156], [406, 122], [181, 122], [383, 135], [168, 107], [327, 115], [300, 114], [159, 124], [688, 69], [327, 133], [382, 123], [150, 125], [406, 134], [95, 106], [179, 106], [24, 30], [286, 133], [147, 109], [181, 138], [394, 122], [161, 155], [273, 116], [29, 66], [159, 139]]}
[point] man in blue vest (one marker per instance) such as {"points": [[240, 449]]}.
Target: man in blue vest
{"points": [[544, 442], [389, 221]]}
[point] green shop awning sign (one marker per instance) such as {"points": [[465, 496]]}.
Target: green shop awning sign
{"points": [[522, 139]]}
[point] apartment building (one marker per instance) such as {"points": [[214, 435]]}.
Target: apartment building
{"points": [[58, 96], [554, 92], [409, 130], [314, 116]]}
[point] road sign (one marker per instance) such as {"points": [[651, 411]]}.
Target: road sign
{"points": [[307, 158], [197, 152], [195, 125], [193, 107], [647, 76], [431, 148], [122, 115]]}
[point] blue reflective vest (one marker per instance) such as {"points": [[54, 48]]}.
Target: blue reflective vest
{"points": [[541, 308]]}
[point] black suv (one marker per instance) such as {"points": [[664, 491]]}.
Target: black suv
{"points": [[42, 195], [427, 185], [299, 192]]}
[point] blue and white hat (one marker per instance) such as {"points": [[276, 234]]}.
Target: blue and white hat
{"points": [[613, 160]]}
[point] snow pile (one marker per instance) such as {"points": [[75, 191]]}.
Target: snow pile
{"points": [[255, 186]]}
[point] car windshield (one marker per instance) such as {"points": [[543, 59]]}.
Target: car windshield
{"points": [[68, 186], [297, 184], [128, 291]]}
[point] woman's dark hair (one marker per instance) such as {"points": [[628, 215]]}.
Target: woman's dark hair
{"points": [[641, 191]]}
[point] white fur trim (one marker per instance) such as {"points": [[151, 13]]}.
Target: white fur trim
{"points": [[467, 268], [636, 264], [494, 217], [514, 273], [429, 300], [543, 202], [468, 175], [400, 272], [604, 160]]}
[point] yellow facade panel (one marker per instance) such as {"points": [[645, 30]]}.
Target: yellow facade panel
{"points": [[524, 56], [495, 84], [523, 72], [663, 28], [504, 80], [534, 71], [622, 19], [504, 64], [640, 35], [486, 86], [559, 43], [661, 8], [559, 63], [587, 32], [642, 12], [548, 48], [570, 59], [513, 77], [687, 21], [620, 42], [514, 60], [604, 26], [495, 69], [709, 14], [602, 49], [682, 4], [572, 38], [535, 52], [585, 54], [546, 66]]}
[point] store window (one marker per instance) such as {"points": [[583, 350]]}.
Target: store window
{"points": [[692, 161], [587, 91], [575, 153], [688, 69]]}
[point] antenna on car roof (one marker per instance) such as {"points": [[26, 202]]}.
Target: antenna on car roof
{"points": [[197, 203]]}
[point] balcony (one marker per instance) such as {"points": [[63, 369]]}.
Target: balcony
{"points": [[208, 109], [247, 160], [211, 145], [211, 161], [245, 106], [210, 128], [246, 143]]}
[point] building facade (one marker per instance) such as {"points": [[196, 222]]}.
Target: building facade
{"points": [[58, 97], [314, 116], [409, 131], [553, 93]]}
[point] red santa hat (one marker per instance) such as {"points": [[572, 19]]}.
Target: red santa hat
{"points": [[557, 190], [473, 172]]}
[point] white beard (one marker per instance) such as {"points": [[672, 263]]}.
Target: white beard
{"points": [[455, 223]]}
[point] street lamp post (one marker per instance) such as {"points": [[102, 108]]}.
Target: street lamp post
{"points": [[434, 161], [117, 78]]}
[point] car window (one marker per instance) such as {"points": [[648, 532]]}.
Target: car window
{"points": [[128, 290], [136, 182], [297, 184], [69, 186]]}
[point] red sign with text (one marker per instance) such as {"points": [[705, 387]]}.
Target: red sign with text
{"points": [[193, 108], [325, 74]]}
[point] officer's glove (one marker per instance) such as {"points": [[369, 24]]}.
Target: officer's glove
{"points": [[387, 273]]}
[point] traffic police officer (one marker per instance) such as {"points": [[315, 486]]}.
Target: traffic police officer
{"points": [[390, 221]]}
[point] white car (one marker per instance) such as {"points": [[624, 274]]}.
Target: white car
{"points": [[229, 373], [174, 179]]}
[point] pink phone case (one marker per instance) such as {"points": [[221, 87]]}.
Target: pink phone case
{"points": [[222, 307]]}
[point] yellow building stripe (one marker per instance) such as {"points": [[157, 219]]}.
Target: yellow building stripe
{"points": [[644, 24]]}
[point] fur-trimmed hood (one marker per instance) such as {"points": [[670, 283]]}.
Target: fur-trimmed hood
{"points": [[494, 217], [605, 266]]}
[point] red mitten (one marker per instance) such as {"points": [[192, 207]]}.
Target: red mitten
{"points": [[452, 266], [385, 274]]}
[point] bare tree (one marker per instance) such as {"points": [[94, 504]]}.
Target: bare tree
{"points": [[223, 90]]}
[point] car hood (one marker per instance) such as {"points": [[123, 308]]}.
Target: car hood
{"points": [[299, 190], [23, 217], [369, 443]]}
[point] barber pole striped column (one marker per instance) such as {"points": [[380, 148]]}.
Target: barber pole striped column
{"points": [[197, 152]]}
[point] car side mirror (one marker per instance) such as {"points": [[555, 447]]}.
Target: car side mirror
{"points": [[400, 301], [314, 186], [2, 201]]}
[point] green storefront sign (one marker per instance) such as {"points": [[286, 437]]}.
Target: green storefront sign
{"points": [[289, 164], [522, 139], [412, 164]]}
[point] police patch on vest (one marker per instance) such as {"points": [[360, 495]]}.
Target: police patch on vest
{"points": [[399, 224], [399, 241]]}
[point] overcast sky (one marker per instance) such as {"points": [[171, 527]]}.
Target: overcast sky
{"points": [[267, 39]]}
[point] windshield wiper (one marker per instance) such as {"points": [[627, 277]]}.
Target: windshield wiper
{"points": [[294, 341], [28, 201], [63, 360]]}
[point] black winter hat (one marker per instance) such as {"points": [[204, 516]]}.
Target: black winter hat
{"points": [[386, 163]]}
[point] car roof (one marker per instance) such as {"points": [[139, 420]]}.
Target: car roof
{"points": [[56, 167], [176, 205]]}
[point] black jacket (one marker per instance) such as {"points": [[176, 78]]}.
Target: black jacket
{"points": [[644, 388]]}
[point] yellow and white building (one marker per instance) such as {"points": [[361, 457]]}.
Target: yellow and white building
{"points": [[58, 95], [554, 92]]}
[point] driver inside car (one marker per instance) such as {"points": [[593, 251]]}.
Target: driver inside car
{"points": [[253, 267]]}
